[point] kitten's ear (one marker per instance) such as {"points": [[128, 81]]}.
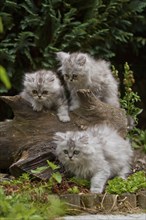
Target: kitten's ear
{"points": [[58, 137], [61, 56], [84, 139], [29, 77], [81, 60]]}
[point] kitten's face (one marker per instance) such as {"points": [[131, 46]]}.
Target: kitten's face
{"points": [[73, 67], [70, 148], [41, 85]]}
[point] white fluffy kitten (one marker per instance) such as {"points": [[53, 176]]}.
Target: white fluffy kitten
{"points": [[98, 154], [43, 89], [81, 71]]}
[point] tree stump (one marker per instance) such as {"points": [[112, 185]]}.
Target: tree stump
{"points": [[26, 140]]}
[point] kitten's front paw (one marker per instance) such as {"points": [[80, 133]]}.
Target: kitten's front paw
{"points": [[64, 118], [73, 107], [37, 108], [96, 190]]}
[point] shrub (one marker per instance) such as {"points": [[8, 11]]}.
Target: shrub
{"points": [[35, 30]]}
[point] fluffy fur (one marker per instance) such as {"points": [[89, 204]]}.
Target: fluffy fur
{"points": [[43, 89], [81, 71], [98, 154]]}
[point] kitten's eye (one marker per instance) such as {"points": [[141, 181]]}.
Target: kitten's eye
{"points": [[34, 91], [52, 79], [76, 152], [65, 151], [45, 92], [67, 76], [75, 76]]}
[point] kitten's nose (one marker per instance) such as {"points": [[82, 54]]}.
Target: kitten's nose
{"points": [[70, 157], [39, 96]]}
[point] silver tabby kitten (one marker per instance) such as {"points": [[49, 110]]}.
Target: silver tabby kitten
{"points": [[81, 71], [43, 89], [98, 154]]}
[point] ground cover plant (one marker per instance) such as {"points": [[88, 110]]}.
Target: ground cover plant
{"points": [[24, 199]]}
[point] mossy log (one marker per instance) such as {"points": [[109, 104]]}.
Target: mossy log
{"points": [[26, 140]]}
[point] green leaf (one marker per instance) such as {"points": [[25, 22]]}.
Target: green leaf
{"points": [[73, 190], [57, 176], [39, 170], [52, 165], [4, 78], [1, 25]]}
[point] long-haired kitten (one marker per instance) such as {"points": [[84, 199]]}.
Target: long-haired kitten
{"points": [[81, 71], [97, 154], [43, 89]]}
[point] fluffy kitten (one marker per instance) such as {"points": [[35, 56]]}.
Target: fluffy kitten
{"points": [[81, 71], [43, 89], [98, 154]]}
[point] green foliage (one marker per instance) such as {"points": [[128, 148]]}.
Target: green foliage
{"points": [[1, 25], [55, 176], [138, 139], [73, 190], [35, 30], [52, 165], [3, 75], [80, 182], [128, 102], [30, 200], [25, 206], [39, 170], [133, 183], [4, 78]]}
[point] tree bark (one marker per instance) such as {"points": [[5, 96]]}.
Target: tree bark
{"points": [[26, 140]]}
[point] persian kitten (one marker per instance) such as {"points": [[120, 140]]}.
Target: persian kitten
{"points": [[97, 154], [81, 71], [43, 89]]}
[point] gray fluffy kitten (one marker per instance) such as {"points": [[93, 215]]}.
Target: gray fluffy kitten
{"points": [[43, 89], [81, 71], [98, 154]]}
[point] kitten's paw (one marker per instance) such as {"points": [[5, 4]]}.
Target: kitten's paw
{"points": [[96, 190], [37, 108], [64, 118], [73, 107]]}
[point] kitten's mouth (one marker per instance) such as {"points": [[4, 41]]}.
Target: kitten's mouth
{"points": [[40, 99], [71, 160]]}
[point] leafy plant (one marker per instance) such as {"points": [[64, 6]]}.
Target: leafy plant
{"points": [[56, 175], [4, 79], [73, 190], [35, 30], [1, 25], [26, 206], [138, 138], [128, 102], [80, 182], [28, 199], [133, 183], [3, 75]]}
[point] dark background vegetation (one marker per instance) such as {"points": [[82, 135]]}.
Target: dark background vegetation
{"points": [[34, 30]]}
